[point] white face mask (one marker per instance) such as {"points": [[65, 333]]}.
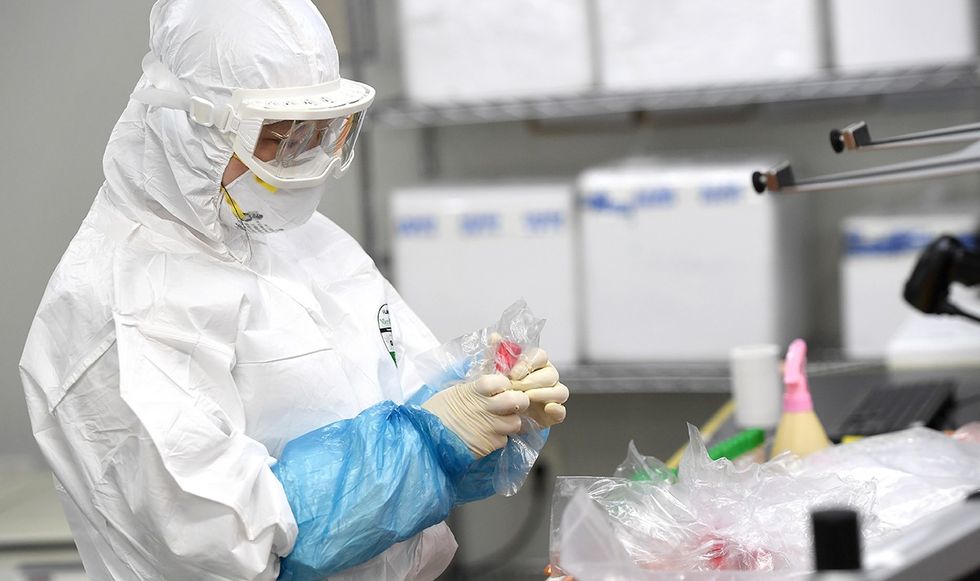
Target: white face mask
{"points": [[254, 206]]}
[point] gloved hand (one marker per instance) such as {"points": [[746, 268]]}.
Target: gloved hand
{"points": [[534, 375], [481, 412]]}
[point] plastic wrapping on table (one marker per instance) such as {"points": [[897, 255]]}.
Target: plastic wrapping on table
{"points": [[716, 521], [916, 472]]}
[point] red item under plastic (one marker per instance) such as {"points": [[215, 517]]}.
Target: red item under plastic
{"points": [[507, 355]]}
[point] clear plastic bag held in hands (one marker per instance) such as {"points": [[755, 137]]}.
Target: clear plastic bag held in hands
{"points": [[494, 349]]}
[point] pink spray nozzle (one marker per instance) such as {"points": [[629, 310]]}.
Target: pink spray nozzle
{"points": [[797, 396]]}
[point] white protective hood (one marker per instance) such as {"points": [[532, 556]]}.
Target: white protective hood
{"points": [[171, 359], [161, 166]]}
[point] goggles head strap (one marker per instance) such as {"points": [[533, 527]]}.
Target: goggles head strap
{"points": [[167, 91]]}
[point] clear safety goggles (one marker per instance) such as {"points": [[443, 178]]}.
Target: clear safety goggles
{"points": [[290, 138], [299, 137], [310, 150]]}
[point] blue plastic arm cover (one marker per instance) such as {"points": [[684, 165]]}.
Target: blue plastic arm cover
{"points": [[358, 486]]}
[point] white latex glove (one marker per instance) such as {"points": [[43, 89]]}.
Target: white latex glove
{"points": [[482, 412], [537, 377]]}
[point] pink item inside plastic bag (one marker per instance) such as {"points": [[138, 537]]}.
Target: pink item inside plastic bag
{"points": [[508, 352], [493, 349]]}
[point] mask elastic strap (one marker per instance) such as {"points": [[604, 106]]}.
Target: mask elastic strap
{"points": [[167, 91], [232, 204]]}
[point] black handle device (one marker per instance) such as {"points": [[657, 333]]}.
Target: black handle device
{"points": [[946, 260]]}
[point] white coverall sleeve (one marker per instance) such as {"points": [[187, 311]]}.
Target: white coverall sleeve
{"points": [[187, 488]]}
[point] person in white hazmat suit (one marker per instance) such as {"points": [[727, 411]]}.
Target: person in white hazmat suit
{"points": [[208, 374]]}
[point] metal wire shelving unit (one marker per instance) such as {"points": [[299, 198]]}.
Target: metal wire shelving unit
{"points": [[829, 86]]}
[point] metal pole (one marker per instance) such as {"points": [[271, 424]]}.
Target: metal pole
{"points": [[356, 14]]}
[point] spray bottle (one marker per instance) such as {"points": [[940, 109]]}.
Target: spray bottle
{"points": [[799, 431]]}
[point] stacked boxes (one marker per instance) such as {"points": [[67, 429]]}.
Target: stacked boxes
{"points": [[686, 262], [475, 50], [462, 254], [916, 33], [678, 262], [665, 44], [505, 49]]}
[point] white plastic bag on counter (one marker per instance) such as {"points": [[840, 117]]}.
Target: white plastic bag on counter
{"points": [[916, 472], [716, 519], [593, 551], [493, 349]]}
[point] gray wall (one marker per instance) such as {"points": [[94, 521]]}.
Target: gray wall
{"points": [[67, 68]]}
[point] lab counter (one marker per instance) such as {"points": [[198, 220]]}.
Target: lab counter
{"points": [[943, 546]]}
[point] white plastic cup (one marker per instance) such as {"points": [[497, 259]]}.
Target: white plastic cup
{"points": [[756, 385]]}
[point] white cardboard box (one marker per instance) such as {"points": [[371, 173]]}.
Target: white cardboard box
{"points": [[475, 50], [462, 254], [664, 44], [879, 255], [868, 34], [686, 262]]}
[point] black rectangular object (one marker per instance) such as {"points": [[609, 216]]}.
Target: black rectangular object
{"points": [[890, 408]]}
